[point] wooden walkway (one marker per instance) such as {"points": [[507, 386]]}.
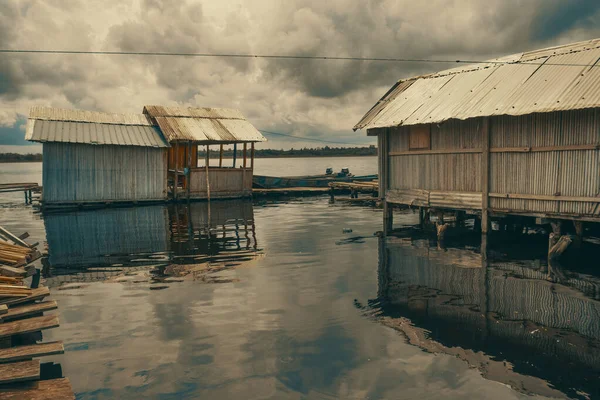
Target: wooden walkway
{"points": [[27, 188], [22, 320]]}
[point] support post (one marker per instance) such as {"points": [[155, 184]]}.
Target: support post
{"points": [[234, 154], [189, 169], [485, 176], [207, 180], [221, 156], [388, 217], [176, 181], [421, 218], [578, 239], [245, 155], [252, 156]]}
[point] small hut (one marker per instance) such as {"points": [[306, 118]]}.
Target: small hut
{"points": [[98, 158], [517, 136], [186, 129]]}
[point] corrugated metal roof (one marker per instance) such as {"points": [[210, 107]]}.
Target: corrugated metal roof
{"points": [[86, 127], [204, 125], [556, 79], [63, 114]]}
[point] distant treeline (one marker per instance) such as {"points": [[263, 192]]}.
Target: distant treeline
{"points": [[304, 152], [14, 157], [262, 153]]}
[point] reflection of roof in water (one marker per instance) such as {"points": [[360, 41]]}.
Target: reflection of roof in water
{"points": [[508, 311]]}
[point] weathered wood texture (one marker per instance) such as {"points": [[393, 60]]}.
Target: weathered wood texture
{"points": [[20, 372], [21, 353], [36, 294], [224, 182], [28, 325], [435, 198], [53, 389], [3, 309], [28, 310], [545, 163]]}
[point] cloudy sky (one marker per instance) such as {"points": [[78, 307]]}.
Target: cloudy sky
{"points": [[308, 98]]}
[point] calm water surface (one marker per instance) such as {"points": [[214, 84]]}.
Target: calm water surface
{"points": [[281, 301]]}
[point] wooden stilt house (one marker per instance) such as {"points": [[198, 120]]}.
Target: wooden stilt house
{"points": [[188, 128], [514, 136]]}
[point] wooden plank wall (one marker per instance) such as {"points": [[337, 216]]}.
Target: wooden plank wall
{"points": [[533, 159], [224, 182]]}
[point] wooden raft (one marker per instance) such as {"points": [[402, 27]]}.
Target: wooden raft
{"points": [[21, 319]]}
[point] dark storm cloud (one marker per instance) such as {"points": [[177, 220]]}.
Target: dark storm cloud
{"points": [[560, 17], [301, 97]]}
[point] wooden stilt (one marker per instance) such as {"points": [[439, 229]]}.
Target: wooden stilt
{"points": [[421, 217], [485, 176], [176, 181], [578, 239], [221, 156], [189, 170], [252, 156], [207, 179], [388, 216], [245, 155], [234, 154]]}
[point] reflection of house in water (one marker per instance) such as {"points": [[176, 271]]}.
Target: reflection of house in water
{"points": [[507, 319], [203, 230], [109, 242], [104, 237]]}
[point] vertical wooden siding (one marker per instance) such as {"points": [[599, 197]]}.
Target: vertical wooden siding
{"points": [[74, 173], [564, 173], [224, 182]]}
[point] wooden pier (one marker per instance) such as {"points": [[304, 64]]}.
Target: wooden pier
{"points": [[27, 188], [354, 189], [22, 308]]}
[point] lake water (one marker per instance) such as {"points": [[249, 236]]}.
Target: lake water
{"points": [[302, 300]]}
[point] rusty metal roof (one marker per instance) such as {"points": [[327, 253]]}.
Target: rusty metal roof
{"points": [[203, 125], [547, 80], [86, 127]]}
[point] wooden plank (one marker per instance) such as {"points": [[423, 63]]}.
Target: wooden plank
{"points": [[221, 156], [22, 353], [12, 271], [252, 156], [29, 309], [20, 372], [3, 309], [543, 197], [28, 325], [12, 237], [36, 294], [52, 389]]}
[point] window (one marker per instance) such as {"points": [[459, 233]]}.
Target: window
{"points": [[420, 137]]}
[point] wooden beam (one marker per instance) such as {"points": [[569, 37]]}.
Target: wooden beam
{"points": [[428, 152], [252, 156], [176, 182], [575, 147], [29, 325], [544, 197], [207, 178], [221, 156], [20, 372], [12, 271], [28, 310], [22, 353], [3, 309], [234, 154], [485, 175], [245, 154], [51, 389]]}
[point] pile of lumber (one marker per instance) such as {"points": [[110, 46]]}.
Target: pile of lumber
{"points": [[22, 320]]}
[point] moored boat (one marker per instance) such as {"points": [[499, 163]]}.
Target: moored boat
{"points": [[273, 182]]}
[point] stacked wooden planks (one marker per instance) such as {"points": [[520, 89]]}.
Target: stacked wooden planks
{"points": [[21, 321]]}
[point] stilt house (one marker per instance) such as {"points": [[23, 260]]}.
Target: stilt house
{"points": [[98, 158], [518, 135], [186, 129]]}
